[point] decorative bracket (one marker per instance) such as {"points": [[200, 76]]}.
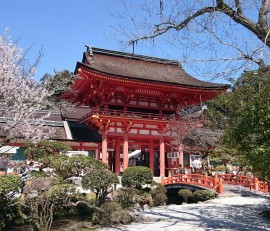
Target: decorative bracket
{"points": [[128, 95], [163, 99], [127, 126]]}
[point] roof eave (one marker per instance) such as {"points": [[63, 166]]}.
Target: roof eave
{"points": [[221, 87]]}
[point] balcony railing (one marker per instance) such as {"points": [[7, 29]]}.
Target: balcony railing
{"points": [[129, 114]]}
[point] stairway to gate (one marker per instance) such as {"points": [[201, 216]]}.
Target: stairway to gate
{"points": [[216, 182]]}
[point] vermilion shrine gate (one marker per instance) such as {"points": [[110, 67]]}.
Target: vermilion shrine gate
{"points": [[132, 98]]}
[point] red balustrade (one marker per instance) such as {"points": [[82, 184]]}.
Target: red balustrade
{"points": [[195, 179], [120, 113], [216, 182], [248, 181]]}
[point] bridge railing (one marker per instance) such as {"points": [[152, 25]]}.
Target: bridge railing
{"points": [[236, 179], [246, 181], [216, 182], [195, 179]]}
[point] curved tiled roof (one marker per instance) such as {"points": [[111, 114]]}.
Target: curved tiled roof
{"points": [[140, 67], [79, 132]]}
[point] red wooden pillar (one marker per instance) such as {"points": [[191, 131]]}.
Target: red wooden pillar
{"points": [[98, 152], [181, 155], [81, 146], [104, 147], [117, 156], [162, 157], [152, 156], [125, 151]]}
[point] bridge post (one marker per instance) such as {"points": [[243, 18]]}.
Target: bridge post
{"points": [[220, 186], [265, 187], [215, 182], [240, 181], [256, 183], [169, 177]]}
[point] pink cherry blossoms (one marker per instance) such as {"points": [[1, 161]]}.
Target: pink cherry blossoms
{"points": [[21, 98]]}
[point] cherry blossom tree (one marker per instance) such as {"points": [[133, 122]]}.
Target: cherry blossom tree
{"points": [[21, 98]]}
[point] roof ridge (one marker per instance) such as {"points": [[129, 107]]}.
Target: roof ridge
{"points": [[91, 50]]}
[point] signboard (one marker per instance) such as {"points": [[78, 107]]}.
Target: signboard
{"points": [[73, 153], [172, 154]]}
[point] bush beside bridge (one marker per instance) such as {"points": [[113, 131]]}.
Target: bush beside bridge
{"points": [[188, 196]]}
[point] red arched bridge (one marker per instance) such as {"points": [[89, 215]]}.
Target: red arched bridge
{"points": [[214, 182]]}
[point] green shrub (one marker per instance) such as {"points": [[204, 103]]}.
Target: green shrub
{"points": [[185, 194], [144, 199], [126, 196], [37, 174], [159, 195], [144, 190], [99, 180], [121, 216], [202, 195], [83, 210], [97, 217], [221, 168], [137, 176], [111, 213], [9, 186], [159, 188], [104, 215], [159, 199], [90, 198]]}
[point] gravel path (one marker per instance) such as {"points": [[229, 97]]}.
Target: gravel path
{"points": [[229, 213]]}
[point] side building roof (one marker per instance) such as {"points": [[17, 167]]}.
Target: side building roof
{"points": [[73, 131]]}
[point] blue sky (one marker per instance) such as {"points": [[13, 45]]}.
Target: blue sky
{"points": [[61, 27]]}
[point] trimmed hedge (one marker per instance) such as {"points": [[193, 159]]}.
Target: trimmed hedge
{"points": [[126, 196], [185, 194], [202, 195], [159, 199], [159, 195], [104, 215], [137, 176], [121, 217]]}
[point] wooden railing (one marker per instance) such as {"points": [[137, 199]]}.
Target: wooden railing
{"points": [[216, 182], [195, 179], [247, 181], [131, 114]]}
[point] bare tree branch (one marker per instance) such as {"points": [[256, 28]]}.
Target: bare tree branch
{"points": [[168, 25], [263, 19], [238, 7], [259, 28]]}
